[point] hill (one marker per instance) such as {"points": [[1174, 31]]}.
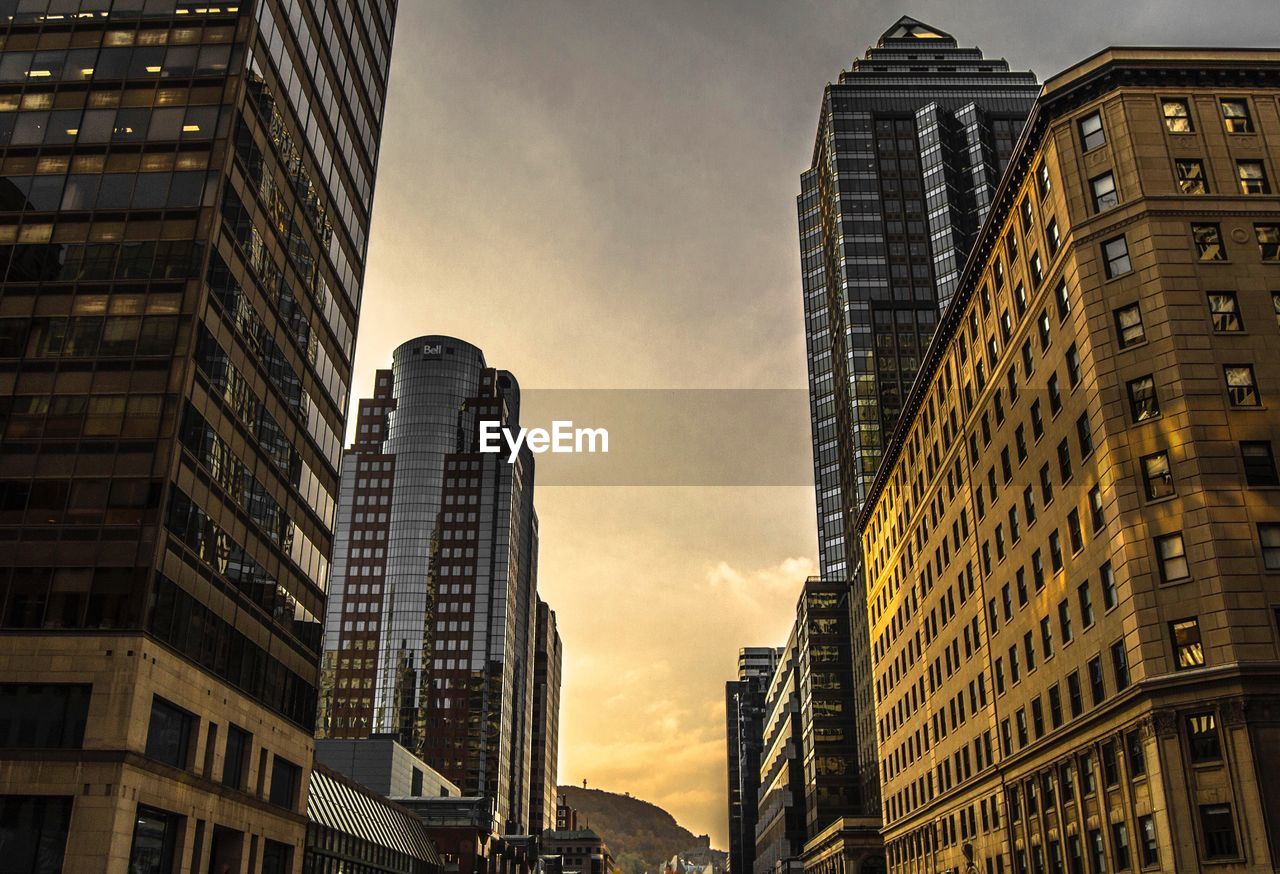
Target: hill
{"points": [[644, 833]]}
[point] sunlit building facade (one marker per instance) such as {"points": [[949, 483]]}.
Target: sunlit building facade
{"points": [[1073, 545], [184, 213]]}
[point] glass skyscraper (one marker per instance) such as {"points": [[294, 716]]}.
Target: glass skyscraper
{"points": [[910, 146], [432, 629], [184, 211]]}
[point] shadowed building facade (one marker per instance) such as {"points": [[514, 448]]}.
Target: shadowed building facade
{"points": [[548, 661], [744, 700], [911, 143], [184, 212], [432, 623], [1073, 545]]}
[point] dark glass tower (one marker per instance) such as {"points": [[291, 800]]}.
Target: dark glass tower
{"points": [[911, 143], [548, 658], [184, 209], [744, 701], [431, 633]]}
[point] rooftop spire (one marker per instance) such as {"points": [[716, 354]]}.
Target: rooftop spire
{"points": [[908, 29]]}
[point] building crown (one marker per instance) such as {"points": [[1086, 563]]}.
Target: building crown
{"points": [[908, 29]]}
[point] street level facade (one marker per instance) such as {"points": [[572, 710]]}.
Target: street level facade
{"points": [[184, 213], [1073, 544]]}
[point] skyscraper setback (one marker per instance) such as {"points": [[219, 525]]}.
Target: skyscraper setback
{"points": [[910, 146], [432, 627], [185, 209]]}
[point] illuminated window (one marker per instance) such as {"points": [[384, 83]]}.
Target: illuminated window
{"points": [[1253, 177], [1208, 240], [1104, 192], [1177, 115], [1242, 386], [1129, 327], [1269, 245], [1224, 310], [1235, 116], [1191, 178]]}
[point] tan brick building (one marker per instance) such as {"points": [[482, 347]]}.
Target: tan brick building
{"points": [[1073, 545]]}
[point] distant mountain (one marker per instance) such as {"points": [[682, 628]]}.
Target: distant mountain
{"points": [[643, 832]]}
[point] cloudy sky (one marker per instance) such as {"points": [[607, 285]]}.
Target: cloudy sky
{"points": [[600, 195]]}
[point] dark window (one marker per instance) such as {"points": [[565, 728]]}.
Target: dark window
{"points": [[1259, 463], [1064, 460], [1129, 326], [1242, 387], [1109, 595], [1073, 693], [1115, 257], [1104, 192], [169, 734], [1188, 651], [1097, 684], [1055, 706], [1219, 831], [284, 782], [1063, 298], [1052, 237], [1084, 433], [1064, 621], [1091, 133], [1202, 738], [1055, 395], [1120, 841], [1110, 764], [1096, 515], [1171, 552], [1143, 402], [43, 715], [1157, 478], [1120, 665], [1149, 844], [1177, 115], [277, 858], [1191, 179], [1086, 605], [1073, 365], [35, 833], [155, 835], [236, 761], [1208, 241], [1269, 537], [1136, 753], [1253, 177], [1224, 310]]}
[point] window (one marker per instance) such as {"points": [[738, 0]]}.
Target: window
{"points": [[1242, 389], [1224, 310], [235, 763], [1091, 133], [1088, 783], [1259, 463], [1044, 182], [1120, 665], [1046, 637], [1191, 178], [1064, 461], [1110, 764], [1073, 693], [1115, 255], [1172, 555], [155, 835], [1235, 116], [1052, 237], [1055, 706], [284, 782], [1253, 177], [1135, 753], [43, 715], [1110, 597], [1103, 188], [1063, 298], [1084, 432], [1073, 365], [1055, 395], [1208, 240], [1177, 115], [1096, 515], [35, 830], [1120, 841], [1143, 403], [1148, 844], [1269, 536], [1086, 605], [1156, 476], [1219, 831], [1064, 621], [1097, 685], [1268, 243], [1074, 532], [1188, 652], [1202, 738], [169, 734]]}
